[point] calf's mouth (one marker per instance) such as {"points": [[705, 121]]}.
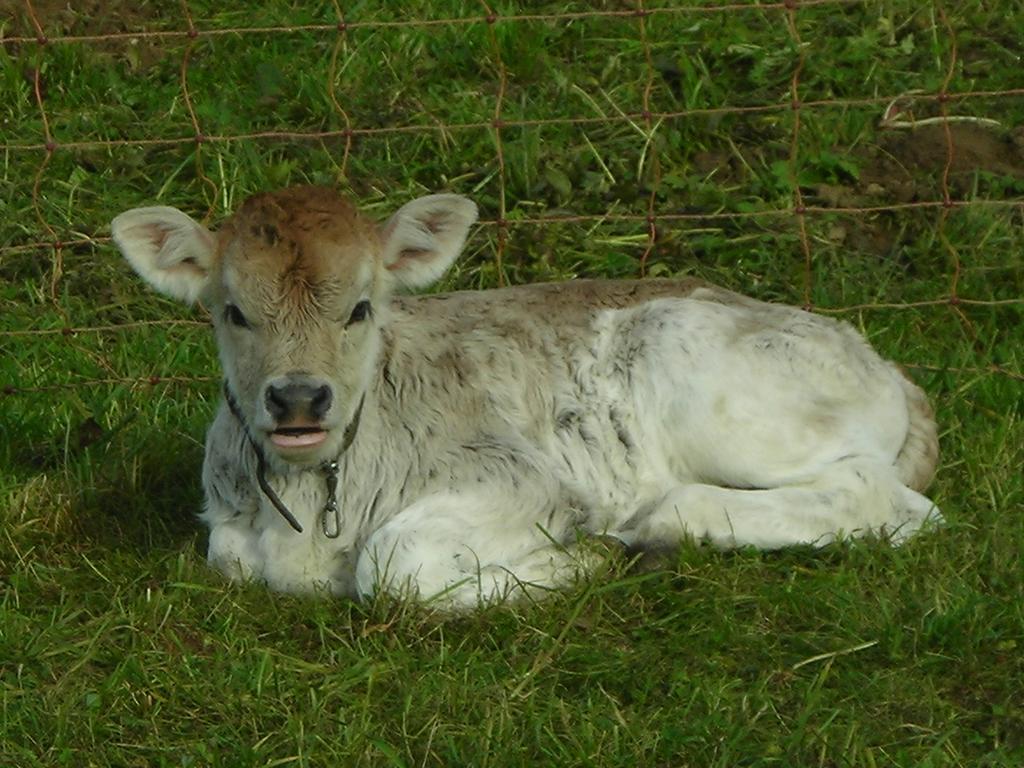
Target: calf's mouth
{"points": [[298, 437]]}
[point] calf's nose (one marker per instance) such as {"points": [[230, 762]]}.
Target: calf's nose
{"points": [[298, 401]]}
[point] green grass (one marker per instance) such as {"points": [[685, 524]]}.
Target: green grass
{"points": [[118, 647]]}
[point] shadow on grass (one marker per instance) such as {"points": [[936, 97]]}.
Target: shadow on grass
{"points": [[138, 496]]}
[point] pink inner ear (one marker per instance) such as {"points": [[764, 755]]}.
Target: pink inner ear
{"points": [[434, 223], [157, 234], [406, 255]]}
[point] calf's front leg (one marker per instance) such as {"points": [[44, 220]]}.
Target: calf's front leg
{"points": [[458, 549]]}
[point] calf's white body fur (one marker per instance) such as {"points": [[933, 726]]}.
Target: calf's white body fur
{"points": [[495, 428]]}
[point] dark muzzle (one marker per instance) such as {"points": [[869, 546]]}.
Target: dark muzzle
{"points": [[298, 402]]}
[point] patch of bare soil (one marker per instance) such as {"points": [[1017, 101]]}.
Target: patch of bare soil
{"points": [[59, 18], [83, 17], [908, 166], [902, 166]]}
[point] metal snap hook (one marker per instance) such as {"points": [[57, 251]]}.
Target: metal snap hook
{"points": [[330, 518]]}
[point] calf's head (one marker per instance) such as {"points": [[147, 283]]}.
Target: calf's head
{"points": [[297, 283]]}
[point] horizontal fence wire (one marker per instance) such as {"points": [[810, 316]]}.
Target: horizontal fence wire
{"points": [[57, 240], [51, 145], [344, 25]]}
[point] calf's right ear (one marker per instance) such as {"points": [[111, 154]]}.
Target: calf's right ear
{"points": [[423, 238], [169, 250]]}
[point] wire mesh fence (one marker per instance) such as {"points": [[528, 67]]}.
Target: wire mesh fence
{"points": [[770, 142]]}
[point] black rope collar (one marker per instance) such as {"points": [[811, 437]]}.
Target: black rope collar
{"points": [[330, 517]]}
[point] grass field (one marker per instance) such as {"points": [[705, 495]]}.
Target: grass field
{"points": [[118, 647]]}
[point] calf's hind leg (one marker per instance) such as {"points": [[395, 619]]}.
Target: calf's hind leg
{"points": [[848, 498]]}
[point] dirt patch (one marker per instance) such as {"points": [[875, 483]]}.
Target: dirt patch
{"points": [[91, 17], [60, 18], [900, 166], [907, 166]]}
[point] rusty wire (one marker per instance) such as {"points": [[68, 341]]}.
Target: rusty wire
{"points": [[643, 114]]}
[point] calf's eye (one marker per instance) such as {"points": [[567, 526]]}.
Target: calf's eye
{"points": [[235, 316], [359, 313]]}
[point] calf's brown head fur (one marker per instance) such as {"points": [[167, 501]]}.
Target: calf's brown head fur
{"points": [[297, 282]]}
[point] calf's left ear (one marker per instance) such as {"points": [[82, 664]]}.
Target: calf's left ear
{"points": [[169, 250], [423, 238]]}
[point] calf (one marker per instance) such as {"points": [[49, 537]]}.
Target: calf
{"points": [[460, 445]]}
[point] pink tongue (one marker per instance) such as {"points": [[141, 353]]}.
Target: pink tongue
{"points": [[298, 441]]}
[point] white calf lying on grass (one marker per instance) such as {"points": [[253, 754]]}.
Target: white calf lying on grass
{"points": [[460, 444]]}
